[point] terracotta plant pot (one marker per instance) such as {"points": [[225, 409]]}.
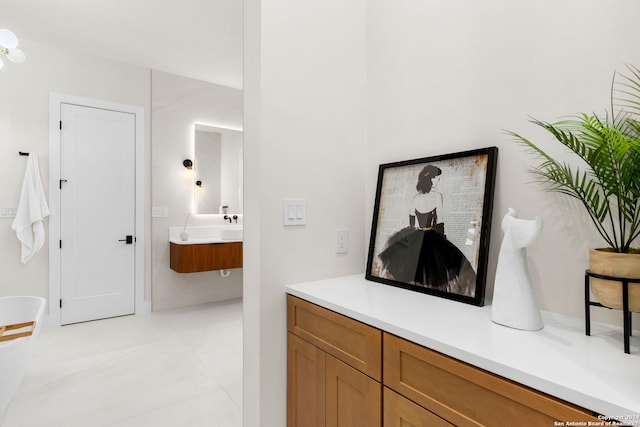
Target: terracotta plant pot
{"points": [[609, 292]]}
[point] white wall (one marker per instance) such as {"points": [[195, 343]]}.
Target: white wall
{"points": [[305, 94], [178, 104], [446, 76], [24, 126]]}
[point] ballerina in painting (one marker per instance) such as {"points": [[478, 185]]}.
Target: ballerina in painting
{"points": [[420, 254]]}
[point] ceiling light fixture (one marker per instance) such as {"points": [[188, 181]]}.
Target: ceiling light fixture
{"points": [[9, 47]]}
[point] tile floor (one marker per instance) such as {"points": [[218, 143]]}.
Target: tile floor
{"points": [[173, 368]]}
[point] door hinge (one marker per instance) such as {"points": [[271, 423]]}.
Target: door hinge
{"points": [[60, 244], [60, 303], [60, 124], [61, 181]]}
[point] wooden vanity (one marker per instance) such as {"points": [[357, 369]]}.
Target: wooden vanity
{"points": [[364, 354], [192, 258], [343, 372]]}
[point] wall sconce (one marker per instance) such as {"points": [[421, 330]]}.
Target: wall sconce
{"points": [[188, 164], [9, 47], [199, 183]]}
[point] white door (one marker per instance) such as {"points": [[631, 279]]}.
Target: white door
{"points": [[97, 213]]}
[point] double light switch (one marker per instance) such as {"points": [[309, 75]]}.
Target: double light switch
{"points": [[294, 212]]}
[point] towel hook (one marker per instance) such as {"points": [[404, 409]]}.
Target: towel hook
{"points": [[22, 153]]}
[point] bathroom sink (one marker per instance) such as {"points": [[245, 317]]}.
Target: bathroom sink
{"points": [[231, 234], [205, 235]]}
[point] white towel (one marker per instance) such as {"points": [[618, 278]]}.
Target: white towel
{"points": [[32, 211]]}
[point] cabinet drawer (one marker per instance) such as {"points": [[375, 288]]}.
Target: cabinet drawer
{"points": [[205, 257], [465, 395], [401, 412], [353, 342]]}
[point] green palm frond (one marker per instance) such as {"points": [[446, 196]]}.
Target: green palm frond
{"points": [[628, 90], [609, 186]]}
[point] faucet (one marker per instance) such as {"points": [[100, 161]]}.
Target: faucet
{"points": [[231, 219]]}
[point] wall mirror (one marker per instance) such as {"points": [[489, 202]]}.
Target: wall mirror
{"points": [[218, 169]]}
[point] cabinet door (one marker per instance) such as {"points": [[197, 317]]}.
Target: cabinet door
{"points": [[401, 412], [305, 384], [352, 398]]}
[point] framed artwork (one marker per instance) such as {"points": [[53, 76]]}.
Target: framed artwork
{"points": [[431, 224]]}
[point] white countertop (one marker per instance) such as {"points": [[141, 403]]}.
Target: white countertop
{"points": [[203, 241], [206, 235], [592, 372]]}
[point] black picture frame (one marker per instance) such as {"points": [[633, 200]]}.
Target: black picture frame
{"points": [[439, 252]]}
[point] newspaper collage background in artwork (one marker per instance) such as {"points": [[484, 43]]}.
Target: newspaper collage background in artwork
{"points": [[411, 253]]}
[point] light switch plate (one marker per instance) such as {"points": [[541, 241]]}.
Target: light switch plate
{"points": [[294, 211], [160, 212], [8, 212]]}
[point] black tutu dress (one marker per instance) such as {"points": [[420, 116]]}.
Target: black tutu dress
{"points": [[424, 257]]}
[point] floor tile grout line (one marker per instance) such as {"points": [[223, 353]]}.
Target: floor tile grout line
{"points": [[174, 403], [204, 365], [195, 355], [202, 362]]}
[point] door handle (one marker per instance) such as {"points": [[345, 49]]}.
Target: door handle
{"points": [[128, 240]]}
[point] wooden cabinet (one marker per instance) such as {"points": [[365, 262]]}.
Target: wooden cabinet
{"points": [[401, 412], [353, 342], [305, 383], [205, 257], [327, 357], [465, 395], [336, 366], [352, 398]]}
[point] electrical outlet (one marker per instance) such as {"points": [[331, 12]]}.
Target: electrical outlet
{"points": [[342, 241]]}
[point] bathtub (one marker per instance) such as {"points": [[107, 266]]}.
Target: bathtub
{"points": [[14, 354]]}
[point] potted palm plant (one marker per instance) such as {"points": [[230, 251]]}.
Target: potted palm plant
{"points": [[608, 187]]}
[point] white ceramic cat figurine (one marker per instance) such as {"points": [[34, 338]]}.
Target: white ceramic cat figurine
{"points": [[514, 303]]}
